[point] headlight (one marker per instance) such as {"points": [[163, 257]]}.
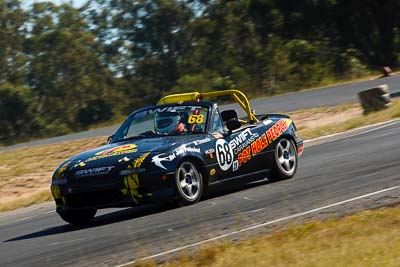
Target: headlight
{"points": [[131, 171]]}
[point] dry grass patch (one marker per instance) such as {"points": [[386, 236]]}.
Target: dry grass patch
{"points": [[323, 121], [369, 238], [26, 173], [39, 195]]}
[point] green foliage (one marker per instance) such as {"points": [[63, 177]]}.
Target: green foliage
{"points": [[17, 119], [67, 68], [96, 111], [12, 61], [193, 82]]}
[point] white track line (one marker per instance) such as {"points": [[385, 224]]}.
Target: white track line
{"points": [[384, 124], [263, 224], [34, 216]]}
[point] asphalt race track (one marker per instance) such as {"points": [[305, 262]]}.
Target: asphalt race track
{"points": [[337, 175], [327, 96]]}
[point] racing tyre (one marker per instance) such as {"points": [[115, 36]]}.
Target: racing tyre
{"points": [[188, 183], [77, 217], [285, 159]]}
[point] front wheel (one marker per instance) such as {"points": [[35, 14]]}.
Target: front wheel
{"points": [[285, 159], [77, 217], [188, 183]]}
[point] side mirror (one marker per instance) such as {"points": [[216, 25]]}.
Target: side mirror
{"points": [[109, 139], [233, 124]]}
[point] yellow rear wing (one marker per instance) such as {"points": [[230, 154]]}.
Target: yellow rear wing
{"points": [[237, 95]]}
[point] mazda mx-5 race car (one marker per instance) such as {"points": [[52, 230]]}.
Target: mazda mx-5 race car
{"points": [[176, 150]]}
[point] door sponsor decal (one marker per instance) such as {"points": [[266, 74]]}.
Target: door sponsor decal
{"points": [[241, 141], [157, 160], [247, 144]]}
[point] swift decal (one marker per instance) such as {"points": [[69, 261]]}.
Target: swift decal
{"points": [[168, 109], [242, 140], [94, 171]]}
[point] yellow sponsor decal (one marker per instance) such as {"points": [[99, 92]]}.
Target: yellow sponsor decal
{"points": [[55, 191], [117, 150], [60, 172], [138, 162], [132, 185], [80, 164], [212, 172], [288, 122], [132, 181]]}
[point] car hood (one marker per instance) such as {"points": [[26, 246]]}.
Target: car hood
{"points": [[126, 151]]}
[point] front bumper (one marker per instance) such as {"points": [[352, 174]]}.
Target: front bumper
{"points": [[117, 191], [300, 146]]}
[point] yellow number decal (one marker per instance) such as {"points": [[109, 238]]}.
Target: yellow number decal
{"points": [[196, 119]]}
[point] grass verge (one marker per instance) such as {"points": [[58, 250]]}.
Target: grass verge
{"points": [[323, 121], [25, 173], [368, 238]]}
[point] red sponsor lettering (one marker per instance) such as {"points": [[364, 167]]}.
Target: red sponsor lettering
{"points": [[276, 130], [283, 125], [260, 144], [270, 136], [244, 156], [264, 142]]}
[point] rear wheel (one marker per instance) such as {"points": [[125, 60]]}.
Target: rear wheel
{"points": [[285, 159], [77, 217], [189, 183]]}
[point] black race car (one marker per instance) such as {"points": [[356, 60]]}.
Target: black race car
{"points": [[176, 150]]}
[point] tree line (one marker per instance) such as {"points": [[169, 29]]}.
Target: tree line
{"points": [[64, 68]]}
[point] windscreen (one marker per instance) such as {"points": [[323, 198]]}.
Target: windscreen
{"points": [[164, 121]]}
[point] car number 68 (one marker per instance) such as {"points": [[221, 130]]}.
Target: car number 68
{"points": [[224, 154]]}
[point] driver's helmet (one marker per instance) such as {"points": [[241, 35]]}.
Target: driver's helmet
{"points": [[169, 123]]}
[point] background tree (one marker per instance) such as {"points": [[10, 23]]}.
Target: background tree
{"points": [[65, 68], [12, 34]]}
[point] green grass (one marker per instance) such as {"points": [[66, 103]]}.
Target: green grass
{"points": [[369, 238]]}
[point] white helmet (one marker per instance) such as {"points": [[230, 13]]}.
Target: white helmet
{"points": [[167, 122]]}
